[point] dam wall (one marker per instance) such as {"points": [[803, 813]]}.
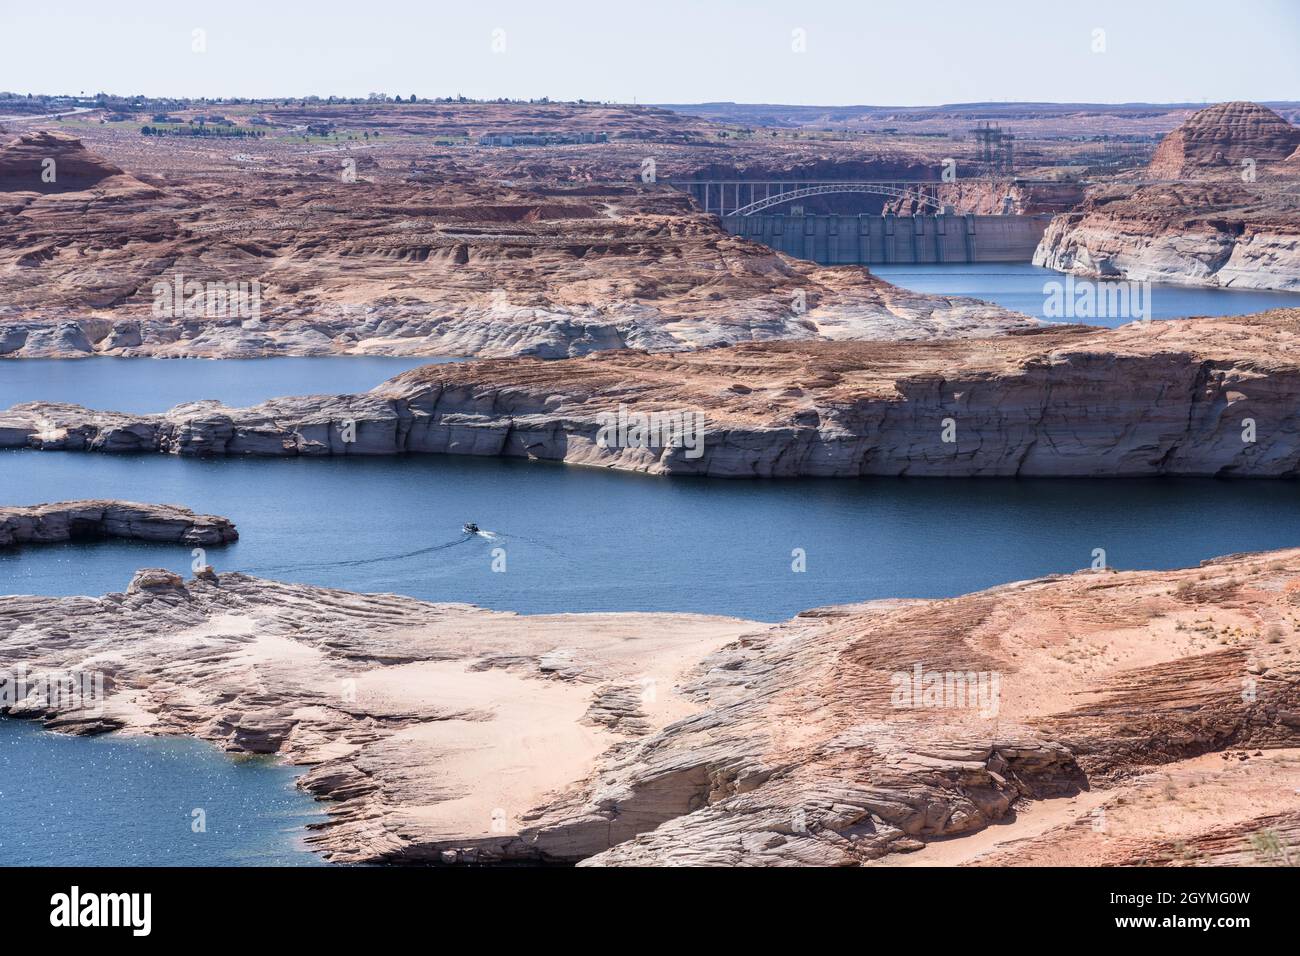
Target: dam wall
{"points": [[833, 240]]}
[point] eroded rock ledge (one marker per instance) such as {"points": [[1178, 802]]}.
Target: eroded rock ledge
{"points": [[383, 266], [68, 520], [1185, 397], [1218, 206], [446, 733]]}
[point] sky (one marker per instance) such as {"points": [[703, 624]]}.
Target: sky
{"points": [[822, 52]]}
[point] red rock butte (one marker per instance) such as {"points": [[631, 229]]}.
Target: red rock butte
{"points": [[23, 164], [1224, 135]]}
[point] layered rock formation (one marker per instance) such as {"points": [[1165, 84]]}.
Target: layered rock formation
{"points": [[50, 162], [1185, 397], [1222, 136], [333, 261], [432, 728], [1213, 234], [847, 735], [1218, 223], [71, 520]]}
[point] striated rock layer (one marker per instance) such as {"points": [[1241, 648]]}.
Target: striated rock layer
{"points": [[449, 734], [361, 264], [69, 520], [1228, 235], [1188, 397], [1224, 135], [1225, 210]]}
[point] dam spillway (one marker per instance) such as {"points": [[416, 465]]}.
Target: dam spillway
{"points": [[836, 240]]}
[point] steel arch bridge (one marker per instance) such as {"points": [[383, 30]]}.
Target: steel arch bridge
{"points": [[880, 189]]}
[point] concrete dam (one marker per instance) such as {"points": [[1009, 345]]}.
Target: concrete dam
{"points": [[837, 240]]}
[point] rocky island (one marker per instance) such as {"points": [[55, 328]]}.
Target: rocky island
{"points": [[82, 520], [1184, 397]]}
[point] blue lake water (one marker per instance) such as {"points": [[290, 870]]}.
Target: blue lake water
{"points": [[155, 385], [1020, 287], [78, 801], [579, 539], [574, 540]]}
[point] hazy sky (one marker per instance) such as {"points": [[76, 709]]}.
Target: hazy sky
{"points": [[667, 51]]}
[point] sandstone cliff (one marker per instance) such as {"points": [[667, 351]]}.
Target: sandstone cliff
{"points": [[349, 264], [449, 734], [70, 520], [1215, 223], [1184, 397]]}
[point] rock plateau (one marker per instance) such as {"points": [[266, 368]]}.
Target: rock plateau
{"points": [[78, 520], [108, 264], [1184, 397]]}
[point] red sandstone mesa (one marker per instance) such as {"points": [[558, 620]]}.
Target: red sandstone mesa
{"points": [[1229, 216]]}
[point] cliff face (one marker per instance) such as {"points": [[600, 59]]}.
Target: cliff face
{"points": [[227, 264], [990, 199], [69, 520], [843, 736], [1186, 397], [1220, 223], [1220, 234]]}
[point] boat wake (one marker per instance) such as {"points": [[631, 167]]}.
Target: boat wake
{"points": [[465, 537], [358, 562]]}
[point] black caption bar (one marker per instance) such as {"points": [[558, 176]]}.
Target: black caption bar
{"points": [[339, 903]]}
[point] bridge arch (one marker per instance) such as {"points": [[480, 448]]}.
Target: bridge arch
{"points": [[824, 189]]}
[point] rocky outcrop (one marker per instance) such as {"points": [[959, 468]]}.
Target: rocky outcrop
{"points": [[1224, 135], [1238, 236], [75, 520], [847, 735], [50, 162], [1230, 217], [432, 729], [221, 264], [1186, 397]]}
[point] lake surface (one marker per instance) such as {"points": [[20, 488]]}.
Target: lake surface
{"points": [[155, 385], [129, 801], [574, 540], [579, 539], [1020, 287]]}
